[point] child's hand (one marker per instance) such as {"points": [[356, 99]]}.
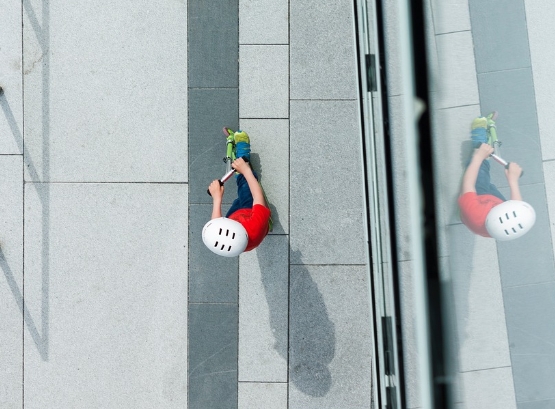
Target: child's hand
{"points": [[241, 166], [514, 172], [216, 190], [484, 151]]}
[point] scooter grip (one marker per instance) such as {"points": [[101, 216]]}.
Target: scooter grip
{"points": [[507, 167], [208, 190]]}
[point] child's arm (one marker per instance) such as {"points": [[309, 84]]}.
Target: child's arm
{"points": [[256, 191], [513, 174], [471, 173], [217, 193]]}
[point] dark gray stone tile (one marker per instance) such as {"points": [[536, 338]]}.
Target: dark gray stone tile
{"points": [[529, 259], [511, 93], [539, 404], [213, 43], [530, 315], [500, 34], [209, 111], [212, 278], [213, 341]]}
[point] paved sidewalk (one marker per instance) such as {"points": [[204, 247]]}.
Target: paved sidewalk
{"points": [[93, 205], [107, 298], [304, 337]]}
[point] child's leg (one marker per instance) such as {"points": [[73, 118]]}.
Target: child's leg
{"points": [[483, 182], [244, 197]]}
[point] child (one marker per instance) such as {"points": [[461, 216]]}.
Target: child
{"points": [[246, 223], [484, 210]]}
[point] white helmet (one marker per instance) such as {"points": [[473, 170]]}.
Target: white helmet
{"points": [[225, 237], [510, 220]]}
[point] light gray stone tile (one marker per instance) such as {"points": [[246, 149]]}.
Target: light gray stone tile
{"points": [[11, 101], [478, 299], [264, 81], [539, 18], [270, 158], [326, 221], [106, 282], [531, 325], [11, 287], [262, 395], [322, 51], [330, 337], [105, 91], [263, 311], [489, 389], [549, 173], [450, 16], [263, 21], [457, 70]]}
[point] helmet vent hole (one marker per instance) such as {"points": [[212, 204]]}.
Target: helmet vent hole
{"points": [[507, 216], [227, 233], [216, 245], [229, 249], [233, 236], [501, 220], [220, 232], [514, 213], [514, 230], [506, 232], [520, 225], [223, 246]]}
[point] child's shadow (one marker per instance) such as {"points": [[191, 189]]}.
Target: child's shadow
{"points": [[310, 345]]}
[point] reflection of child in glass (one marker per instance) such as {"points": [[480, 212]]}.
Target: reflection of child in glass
{"points": [[484, 210]]}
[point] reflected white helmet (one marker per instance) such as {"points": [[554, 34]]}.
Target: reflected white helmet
{"points": [[225, 237], [510, 220]]}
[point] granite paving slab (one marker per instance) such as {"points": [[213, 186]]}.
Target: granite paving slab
{"points": [[106, 285], [264, 21], [330, 362], [322, 52], [213, 356], [11, 78], [209, 111], [102, 107], [264, 81], [262, 395], [212, 278], [213, 43], [531, 326], [11, 281], [319, 190], [270, 158], [263, 312]]}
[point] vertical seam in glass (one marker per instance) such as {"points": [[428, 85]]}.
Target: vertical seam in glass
{"points": [[415, 202]]}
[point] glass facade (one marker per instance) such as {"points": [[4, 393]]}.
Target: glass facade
{"points": [[456, 107]]}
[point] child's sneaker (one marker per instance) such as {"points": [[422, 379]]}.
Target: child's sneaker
{"points": [[242, 145], [479, 133]]}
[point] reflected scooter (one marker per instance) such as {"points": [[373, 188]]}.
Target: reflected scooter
{"points": [[495, 142]]}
